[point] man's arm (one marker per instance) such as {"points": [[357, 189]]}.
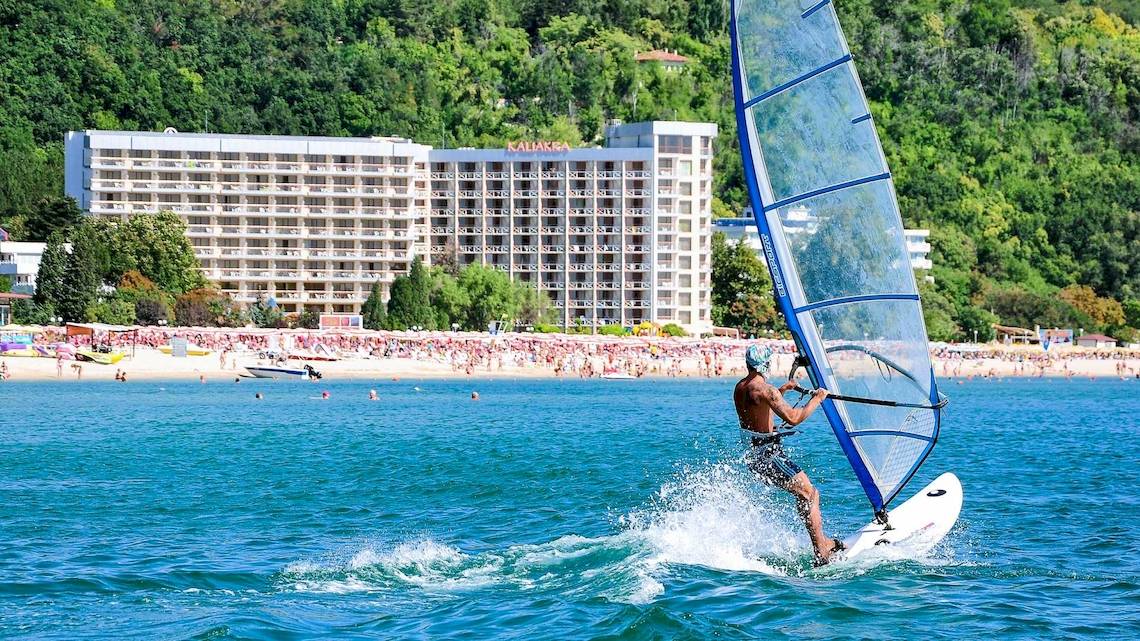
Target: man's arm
{"points": [[793, 415]]}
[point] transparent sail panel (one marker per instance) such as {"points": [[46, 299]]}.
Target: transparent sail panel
{"points": [[813, 137], [823, 195], [877, 349], [778, 45], [848, 243]]}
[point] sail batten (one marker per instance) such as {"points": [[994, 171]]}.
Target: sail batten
{"points": [[827, 190], [855, 299], [830, 227], [795, 81]]}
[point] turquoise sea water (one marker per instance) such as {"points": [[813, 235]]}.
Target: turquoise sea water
{"points": [[545, 510]]}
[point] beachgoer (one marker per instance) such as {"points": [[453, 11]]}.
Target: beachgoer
{"points": [[756, 401], [474, 396], [4, 375], [372, 395], [325, 395], [258, 396]]}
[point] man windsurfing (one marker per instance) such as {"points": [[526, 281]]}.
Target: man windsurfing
{"points": [[756, 401]]}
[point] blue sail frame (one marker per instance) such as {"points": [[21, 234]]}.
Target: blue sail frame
{"points": [[878, 500]]}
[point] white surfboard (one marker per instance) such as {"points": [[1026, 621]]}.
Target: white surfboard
{"points": [[919, 523]]}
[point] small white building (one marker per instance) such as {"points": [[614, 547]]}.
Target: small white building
{"points": [[801, 221], [1099, 341], [21, 262], [670, 61]]}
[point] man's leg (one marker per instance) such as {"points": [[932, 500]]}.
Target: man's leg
{"points": [[807, 503]]}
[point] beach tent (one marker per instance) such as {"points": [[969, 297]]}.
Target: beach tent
{"points": [[1008, 334], [91, 329]]}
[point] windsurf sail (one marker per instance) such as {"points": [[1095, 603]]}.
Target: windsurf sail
{"points": [[832, 234]]}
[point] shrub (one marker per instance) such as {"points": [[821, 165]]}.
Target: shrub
{"points": [[613, 330], [673, 329]]}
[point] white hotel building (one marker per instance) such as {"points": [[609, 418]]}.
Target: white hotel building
{"points": [[616, 234]]}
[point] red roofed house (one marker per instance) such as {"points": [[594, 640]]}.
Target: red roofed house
{"points": [[1096, 340], [670, 60]]}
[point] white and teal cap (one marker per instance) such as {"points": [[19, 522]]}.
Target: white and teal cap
{"points": [[758, 358]]}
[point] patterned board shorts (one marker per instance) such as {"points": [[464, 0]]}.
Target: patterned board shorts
{"points": [[771, 463]]}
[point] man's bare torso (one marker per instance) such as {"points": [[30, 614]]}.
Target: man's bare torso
{"points": [[755, 415]]}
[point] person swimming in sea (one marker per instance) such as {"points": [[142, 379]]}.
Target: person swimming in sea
{"points": [[756, 402]]}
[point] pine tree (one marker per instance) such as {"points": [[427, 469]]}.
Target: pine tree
{"points": [[49, 279], [373, 310], [81, 279], [410, 302]]}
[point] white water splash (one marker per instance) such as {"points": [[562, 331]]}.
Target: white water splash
{"points": [[718, 517], [715, 516]]}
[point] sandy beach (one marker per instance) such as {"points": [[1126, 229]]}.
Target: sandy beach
{"points": [[387, 355]]}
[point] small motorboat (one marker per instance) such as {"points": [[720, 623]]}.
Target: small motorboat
{"points": [[304, 373]]}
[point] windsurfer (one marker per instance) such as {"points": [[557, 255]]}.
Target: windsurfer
{"points": [[756, 400]]}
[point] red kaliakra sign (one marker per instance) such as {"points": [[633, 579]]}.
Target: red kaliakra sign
{"points": [[531, 146]]}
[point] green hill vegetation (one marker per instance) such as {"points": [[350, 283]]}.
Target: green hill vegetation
{"points": [[1012, 126]]}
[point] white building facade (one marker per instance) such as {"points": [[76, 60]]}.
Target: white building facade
{"points": [[744, 229], [617, 234], [20, 262], [307, 221]]}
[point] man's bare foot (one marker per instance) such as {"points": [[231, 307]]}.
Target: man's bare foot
{"points": [[823, 557]]}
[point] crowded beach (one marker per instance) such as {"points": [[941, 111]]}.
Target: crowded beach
{"points": [[93, 352]]}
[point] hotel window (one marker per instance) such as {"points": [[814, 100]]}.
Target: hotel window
{"points": [[676, 145], [685, 168]]}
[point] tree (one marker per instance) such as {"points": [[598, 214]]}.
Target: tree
{"points": [[29, 312], [534, 305], [1131, 309], [52, 215], [82, 278], [151, 304], [974, 319], [1105, 311], [112, 311], [5, 284], [938, 312], [49, 278], [156, 246], [409, 304], [149, 311], [266, 314], [741, 288], [307, 319], [373, 312], [1017, 306], [205, 307], [449, 301], [491, 294]]}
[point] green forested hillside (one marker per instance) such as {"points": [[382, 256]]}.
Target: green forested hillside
{"points": [[1012, 126]]}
